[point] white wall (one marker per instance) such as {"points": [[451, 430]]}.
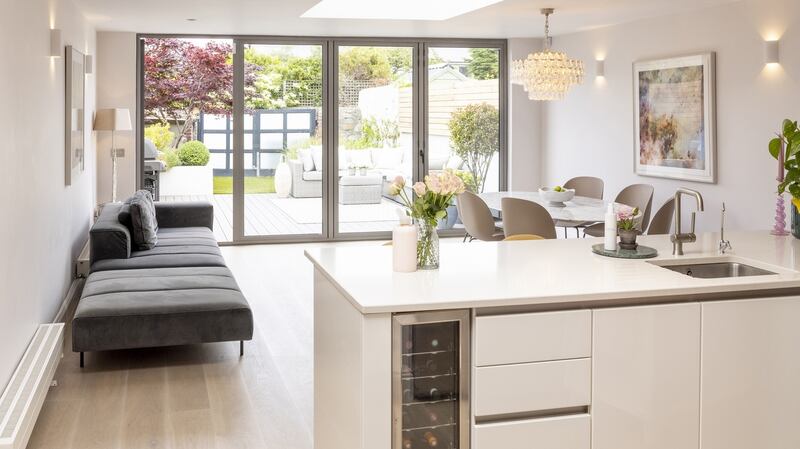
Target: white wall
{"points": [[44, 223], [591, 131], [116, 88], [524, 126]]}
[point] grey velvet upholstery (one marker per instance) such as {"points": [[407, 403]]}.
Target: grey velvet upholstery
{"points": [[179, 292], [160, 307], [109, 239], [188, 214], [144, 230], [177, 247]]}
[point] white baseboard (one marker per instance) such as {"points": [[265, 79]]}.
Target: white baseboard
{"points": [[72, 294]]}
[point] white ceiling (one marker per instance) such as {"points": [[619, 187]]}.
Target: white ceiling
{"points": [[509, 18]]}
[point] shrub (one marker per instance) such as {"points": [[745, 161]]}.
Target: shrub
{"points": [[160, 135], [475, 138], [193, 153], [170, 158]]}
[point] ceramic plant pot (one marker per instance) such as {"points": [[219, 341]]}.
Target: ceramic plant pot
{"points": [[627, 238]]}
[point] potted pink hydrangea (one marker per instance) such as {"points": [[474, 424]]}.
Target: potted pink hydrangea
{"points": [[427, 205], [627, 218]]}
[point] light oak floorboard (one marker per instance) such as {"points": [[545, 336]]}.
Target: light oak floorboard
{"points": [[201, 396]]}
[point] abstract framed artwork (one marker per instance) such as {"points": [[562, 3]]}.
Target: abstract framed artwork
{"points": [[75, 114], [674, 118]]}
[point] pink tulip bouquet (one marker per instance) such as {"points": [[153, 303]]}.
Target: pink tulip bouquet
{"points": [[627, 217], [427, 206]]}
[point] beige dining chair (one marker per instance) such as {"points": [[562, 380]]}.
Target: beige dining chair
{"points": [[662, 220], [526, 217], [635, 195], [586, 186], [477, 218]]}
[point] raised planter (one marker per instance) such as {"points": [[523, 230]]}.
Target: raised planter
{"points": [[187, 180]]}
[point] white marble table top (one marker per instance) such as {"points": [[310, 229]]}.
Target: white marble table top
{"points": [[580, 209]]}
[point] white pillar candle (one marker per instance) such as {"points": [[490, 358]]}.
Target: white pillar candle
{"points": [[404, 248]]}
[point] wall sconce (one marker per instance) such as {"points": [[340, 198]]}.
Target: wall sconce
{"points": [[771, 52], [600, 68], [56, 45], [87, 64]]}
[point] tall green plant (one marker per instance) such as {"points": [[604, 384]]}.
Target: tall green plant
{"points": [[475, 138], [790, 139]]}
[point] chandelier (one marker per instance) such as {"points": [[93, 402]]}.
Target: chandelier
{"points": [[547, 75]]}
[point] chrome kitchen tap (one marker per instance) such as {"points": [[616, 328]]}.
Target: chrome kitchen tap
{"points": [[678, 238], [724, 245]]}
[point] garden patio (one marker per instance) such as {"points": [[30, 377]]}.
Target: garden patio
{"points": [[267, 214]]}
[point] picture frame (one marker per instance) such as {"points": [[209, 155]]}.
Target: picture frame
{"points": [[74, 113], [674, 118]]}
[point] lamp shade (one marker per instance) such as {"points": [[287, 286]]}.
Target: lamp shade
{"points": [[116, 119]]}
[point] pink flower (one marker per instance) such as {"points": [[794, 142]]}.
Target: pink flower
{"points": [[420, 189], [433, 184], [399, 181]]}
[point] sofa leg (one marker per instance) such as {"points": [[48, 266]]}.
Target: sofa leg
{"points": [[241, 348], [81, 359]]}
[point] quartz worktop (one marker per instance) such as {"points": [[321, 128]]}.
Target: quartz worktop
{"points": [[552, 273]]}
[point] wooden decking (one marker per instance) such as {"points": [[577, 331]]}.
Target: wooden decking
{"points": [[264, 218]]}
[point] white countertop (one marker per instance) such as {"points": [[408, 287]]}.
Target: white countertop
{"points": [[547, 272]]}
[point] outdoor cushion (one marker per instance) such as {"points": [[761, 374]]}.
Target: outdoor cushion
{"points": [[312, 175], [143, 218], [387, 158], [160, 307], [316, 155], [368, 180], [306, 159], [359, 158]]}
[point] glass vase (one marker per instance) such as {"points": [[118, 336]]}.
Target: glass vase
{"points": [[427, 245]]}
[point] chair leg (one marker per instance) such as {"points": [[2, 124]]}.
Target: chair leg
{"points": [[241, 348], [466, 235], [81, 359]]}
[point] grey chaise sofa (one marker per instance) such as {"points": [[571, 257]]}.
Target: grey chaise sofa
{"points": [[178, 293]]}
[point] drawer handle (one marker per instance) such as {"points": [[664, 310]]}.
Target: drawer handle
{"points": [[524, 416]]}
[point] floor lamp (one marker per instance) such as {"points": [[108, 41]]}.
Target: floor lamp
{"points": [[116, 119]]}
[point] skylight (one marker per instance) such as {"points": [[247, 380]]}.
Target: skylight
{"points": [[394, 9]]}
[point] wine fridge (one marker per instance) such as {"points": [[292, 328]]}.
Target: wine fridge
{"points": [[430, 380]]}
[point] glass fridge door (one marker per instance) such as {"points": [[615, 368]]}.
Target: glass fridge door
{"points": [[430, 388]]}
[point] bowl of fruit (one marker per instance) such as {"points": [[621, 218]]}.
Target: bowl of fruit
{"points": [[556, 196]]}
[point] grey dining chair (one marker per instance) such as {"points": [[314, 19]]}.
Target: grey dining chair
{"points": [[477, 218], [587, 186], [635, 195], [526, 217], [662, 220]]}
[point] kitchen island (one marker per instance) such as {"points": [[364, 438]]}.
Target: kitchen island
{"points": [[544, 344]]}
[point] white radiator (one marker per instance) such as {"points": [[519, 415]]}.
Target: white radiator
{"points": [[22, 400]]}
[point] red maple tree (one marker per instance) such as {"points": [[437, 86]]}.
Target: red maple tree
{"points": [[183, 79]]}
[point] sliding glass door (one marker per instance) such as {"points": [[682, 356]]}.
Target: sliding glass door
{"points": [[463, 114], [298, 139], [283, 163], [375, 133]]}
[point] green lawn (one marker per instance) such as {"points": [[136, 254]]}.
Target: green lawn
{"points": [[252, 184]]}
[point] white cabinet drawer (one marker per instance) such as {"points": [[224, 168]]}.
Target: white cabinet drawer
{"points": [[561, 432], [532, 337], [531, 387]]}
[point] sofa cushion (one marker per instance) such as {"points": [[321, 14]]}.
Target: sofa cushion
{"points": [[306, 159], [359, 158], [316, 156], [387, 158], [160, 307], [143, 219], [315, 175], [177, 247]]}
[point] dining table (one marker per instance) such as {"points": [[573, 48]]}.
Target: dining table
{"points": [[580, 209]]}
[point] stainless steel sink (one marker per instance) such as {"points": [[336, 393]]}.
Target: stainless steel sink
{"points": [[717, 270]]}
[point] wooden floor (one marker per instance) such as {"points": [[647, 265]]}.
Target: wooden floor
{"points": [[202, 396], [264, 218]]}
